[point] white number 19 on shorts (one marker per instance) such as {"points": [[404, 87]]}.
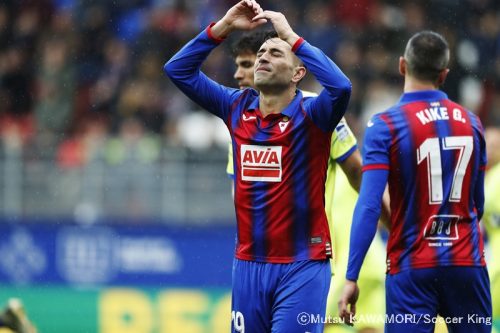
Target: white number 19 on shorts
{"points": [[238, 321]]}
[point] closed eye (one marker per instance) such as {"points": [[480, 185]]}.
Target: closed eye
{"points": [[273, 51]]}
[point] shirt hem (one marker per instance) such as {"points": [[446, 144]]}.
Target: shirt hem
{"points": [[461, 263], [278, 260]]}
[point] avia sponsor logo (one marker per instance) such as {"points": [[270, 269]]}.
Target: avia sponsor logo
{"points": [[261, 163]]}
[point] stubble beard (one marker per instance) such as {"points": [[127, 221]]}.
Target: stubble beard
{"points": [[271, 87]]}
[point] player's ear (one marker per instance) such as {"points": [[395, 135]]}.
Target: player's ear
{"points": [[442, 76], [299, 73], [402, 66]]}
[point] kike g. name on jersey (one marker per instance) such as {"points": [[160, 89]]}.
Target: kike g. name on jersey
{"points": [[433, 149]]}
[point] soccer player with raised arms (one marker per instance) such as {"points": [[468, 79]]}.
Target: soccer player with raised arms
{"points": [[340, 197], [432, 152], [282, 143]]}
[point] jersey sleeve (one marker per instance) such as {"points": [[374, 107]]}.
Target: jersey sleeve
{"points": [[479, 196], [376, 144], [376, 147], [184, 71], [344, 142], [329, 107], [365, 219], [230, 165]]}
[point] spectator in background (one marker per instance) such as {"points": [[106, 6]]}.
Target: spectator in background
{"points": [[56, 87], [142, 99], [133, 154], [116, 68], [5, 26], [85, 146], [320, 28], [16, 84]]}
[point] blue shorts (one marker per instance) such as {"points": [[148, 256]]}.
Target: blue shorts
{"points": [[460, 295], [279, 298]]}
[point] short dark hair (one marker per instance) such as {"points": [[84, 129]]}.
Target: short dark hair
{"points": [[251, 42], [426, 54]]}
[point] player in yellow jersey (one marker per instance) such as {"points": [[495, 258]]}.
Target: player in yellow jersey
{"points": [[491, 218], [339, 208], [341, 194]]}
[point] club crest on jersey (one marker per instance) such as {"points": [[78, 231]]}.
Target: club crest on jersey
{"points": [[261, 163], [282, 126]]}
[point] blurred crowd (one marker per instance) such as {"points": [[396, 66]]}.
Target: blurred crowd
{"points": [[80, 78]]}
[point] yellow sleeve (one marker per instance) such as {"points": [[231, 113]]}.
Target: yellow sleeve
{"points": [[343, 144], [491, 217], [230, 166], [343, 141]]}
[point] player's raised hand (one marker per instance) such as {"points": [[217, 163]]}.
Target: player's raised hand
{"points": [[280, 24], [347, 302], [238, 17]]}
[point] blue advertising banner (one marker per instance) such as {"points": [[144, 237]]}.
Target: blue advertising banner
{"points": [[114, 255]]}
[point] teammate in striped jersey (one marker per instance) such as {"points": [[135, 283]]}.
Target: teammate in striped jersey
{"points": [[432, 152], [282, 143]]}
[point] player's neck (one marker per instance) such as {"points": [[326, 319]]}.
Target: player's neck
{"points": [[413, 85], [275, 102]]}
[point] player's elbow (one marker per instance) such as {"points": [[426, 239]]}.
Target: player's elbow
{"points": [[168, 68], [172, 70], [341, 99], [345, 88]]}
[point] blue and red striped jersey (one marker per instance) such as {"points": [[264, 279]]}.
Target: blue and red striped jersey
{"points": [[435, 153], [280, 161]]}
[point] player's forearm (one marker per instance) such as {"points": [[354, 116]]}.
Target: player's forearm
{"points": [[365, 219], [221, 29], [184, 71], [328, 74], [332, 102]]}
